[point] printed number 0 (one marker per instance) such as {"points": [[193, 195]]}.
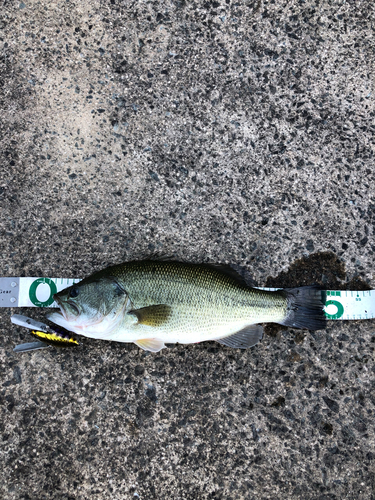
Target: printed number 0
{"points": [[338, 313], [33, 288]]}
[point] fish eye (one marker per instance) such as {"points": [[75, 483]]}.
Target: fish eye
{"points": [[74, 292]]}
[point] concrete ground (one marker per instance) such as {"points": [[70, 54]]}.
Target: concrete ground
{"points": [[215, 131]]}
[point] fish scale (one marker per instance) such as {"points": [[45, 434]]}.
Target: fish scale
{"points": [[209, 292]]}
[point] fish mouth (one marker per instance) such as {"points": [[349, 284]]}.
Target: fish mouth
{"points": [[68, 309], [59, 304]]}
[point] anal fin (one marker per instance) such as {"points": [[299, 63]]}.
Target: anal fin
{"points": [[245, 338], [153, 345]]}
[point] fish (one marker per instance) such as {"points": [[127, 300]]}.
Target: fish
{"points": [[151, 303]]}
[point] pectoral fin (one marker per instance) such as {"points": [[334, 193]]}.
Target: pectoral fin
{"points": [[152, 315], [245, 338], [153, 345]]}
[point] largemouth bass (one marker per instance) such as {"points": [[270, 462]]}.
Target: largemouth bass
{"points": [[152, 303]]}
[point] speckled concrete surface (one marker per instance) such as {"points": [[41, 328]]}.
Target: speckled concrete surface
{"points": [[214, 131]]}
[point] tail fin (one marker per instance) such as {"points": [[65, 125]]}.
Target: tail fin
{"points": [[305, 308]]}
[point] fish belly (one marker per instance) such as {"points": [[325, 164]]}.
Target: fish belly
{"points": [[191, 325]]}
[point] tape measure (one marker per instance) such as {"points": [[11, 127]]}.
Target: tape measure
{"points": [[38, 292], [31, 292]]}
